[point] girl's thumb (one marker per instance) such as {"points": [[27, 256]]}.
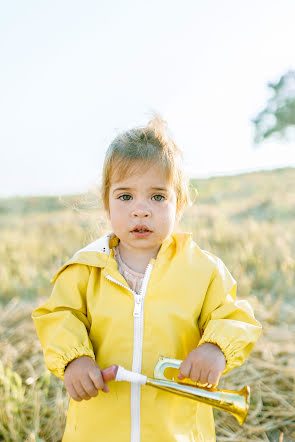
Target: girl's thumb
{"points": [[106, 388]]}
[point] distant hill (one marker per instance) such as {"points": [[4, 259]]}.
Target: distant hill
{"points": [[269, 195], [263, 195]]}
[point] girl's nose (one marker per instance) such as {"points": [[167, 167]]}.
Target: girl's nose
{"points": [[141, 211]]}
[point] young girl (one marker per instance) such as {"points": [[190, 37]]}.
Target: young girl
{"points": [[137, 293]]}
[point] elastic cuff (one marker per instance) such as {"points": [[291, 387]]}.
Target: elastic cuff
{"points": [[66, 358], [226, 347]]}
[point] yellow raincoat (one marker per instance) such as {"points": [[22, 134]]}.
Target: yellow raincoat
{"points": [[187, 298]]}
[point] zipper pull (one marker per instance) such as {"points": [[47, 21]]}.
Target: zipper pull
{"points": [[137, 306]]}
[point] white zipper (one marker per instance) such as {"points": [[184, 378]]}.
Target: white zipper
{"points": [[110, 278], [137, 357], [137, 350]]}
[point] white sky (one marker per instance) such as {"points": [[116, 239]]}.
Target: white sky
{"points": [[75, 73]]}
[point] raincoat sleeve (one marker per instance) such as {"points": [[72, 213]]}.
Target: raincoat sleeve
{"points": [[61, 323], [226, 322]]}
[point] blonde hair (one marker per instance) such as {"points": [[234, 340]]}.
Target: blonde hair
{"points": [[146, 144]]}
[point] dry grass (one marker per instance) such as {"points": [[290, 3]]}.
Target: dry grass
{"points": [[270, 371], [32, 401]]}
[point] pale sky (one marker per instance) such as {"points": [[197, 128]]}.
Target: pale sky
{"points": [[75, 73]]}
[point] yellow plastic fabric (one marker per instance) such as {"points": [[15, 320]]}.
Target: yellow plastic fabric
{"points": [[190, 299]]}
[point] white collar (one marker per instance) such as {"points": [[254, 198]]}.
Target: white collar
{"points": [[101, 245]]}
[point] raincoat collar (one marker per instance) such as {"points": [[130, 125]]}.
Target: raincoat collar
{"points": [[99, 253]]}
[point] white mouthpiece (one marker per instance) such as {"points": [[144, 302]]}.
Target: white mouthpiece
{"points": [[130, 376]]}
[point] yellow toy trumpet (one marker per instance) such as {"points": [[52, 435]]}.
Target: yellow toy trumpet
{"points": [[234, 402]]}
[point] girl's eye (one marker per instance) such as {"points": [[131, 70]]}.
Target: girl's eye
{"points": [[125, 197], [158, 198]]}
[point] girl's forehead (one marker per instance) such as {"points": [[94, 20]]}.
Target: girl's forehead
{"points": [[143, 173]]}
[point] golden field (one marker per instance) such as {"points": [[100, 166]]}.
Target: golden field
{"points": [[247, 220]]}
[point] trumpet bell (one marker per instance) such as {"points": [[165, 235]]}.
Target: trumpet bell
{"points": [[234, 402]]}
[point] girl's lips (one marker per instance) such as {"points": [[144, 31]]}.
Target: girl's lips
{"points": [[141, 234]]}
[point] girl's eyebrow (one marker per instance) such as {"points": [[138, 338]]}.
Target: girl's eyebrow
{"points": [[160, 188], [119, 189]]}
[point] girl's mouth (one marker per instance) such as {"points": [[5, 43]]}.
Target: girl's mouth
{"points": [[141, 232]]}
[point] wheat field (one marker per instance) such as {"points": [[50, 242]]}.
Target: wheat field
{"points": [[247, 220]]}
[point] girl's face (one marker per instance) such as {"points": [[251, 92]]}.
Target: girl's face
{"points": [[142, 209]]}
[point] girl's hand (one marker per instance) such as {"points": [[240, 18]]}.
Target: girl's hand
{"points": [[83, 379], [204, 364]]}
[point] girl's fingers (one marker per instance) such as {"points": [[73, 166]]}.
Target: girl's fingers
{"points": [[89, 386], [80, 391], [106, 388], [196, 373], [73, 393], [204, 378], [97, 379], [213, 378], [184, 369]]}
